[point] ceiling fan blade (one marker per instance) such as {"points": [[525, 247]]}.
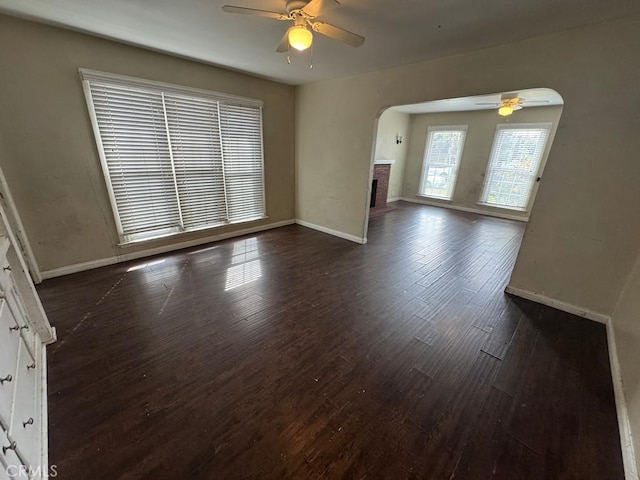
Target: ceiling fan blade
{"points": [[253, 11], [489, 103], [534, 101], [317, 7], [338, 33], [517, 107], [283, 46]]}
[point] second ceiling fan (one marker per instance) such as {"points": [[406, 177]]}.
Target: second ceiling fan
{"points": [[303, 14], [510, 102]]}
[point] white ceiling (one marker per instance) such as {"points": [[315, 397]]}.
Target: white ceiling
{"points": [[398, 32], [535, 97]]}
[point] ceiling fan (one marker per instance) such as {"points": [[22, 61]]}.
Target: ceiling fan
{"points": [[303, 14], [510, 102]]}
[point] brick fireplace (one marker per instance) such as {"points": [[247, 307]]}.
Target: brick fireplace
{"points": [[380, 186]]}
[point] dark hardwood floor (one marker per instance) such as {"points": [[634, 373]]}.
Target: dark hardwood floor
{"points": [[295, 354]]}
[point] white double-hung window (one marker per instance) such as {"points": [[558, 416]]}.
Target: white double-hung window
{"points": [[442, 154], [514, 164], [175, 159]]}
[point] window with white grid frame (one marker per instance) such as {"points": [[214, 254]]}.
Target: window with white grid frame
{"points": [[443, 151], [175, 159], [514, 163]]}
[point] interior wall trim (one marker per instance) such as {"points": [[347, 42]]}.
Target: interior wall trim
{"points": [[558, 304], [624, 425], [102, 262], [335, 233], [465, 209], [79, 267]]}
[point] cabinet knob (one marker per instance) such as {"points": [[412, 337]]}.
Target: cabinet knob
{"points": [[12, 446], [8, 378], [15, 328], [28, 422], [33, 365], [7, 268], [24, 327]]}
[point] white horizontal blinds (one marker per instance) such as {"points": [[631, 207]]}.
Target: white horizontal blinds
{"points": [[194, 132], [134, 141], [175, 158], [241, 128], [514, 163], [442, 156]]}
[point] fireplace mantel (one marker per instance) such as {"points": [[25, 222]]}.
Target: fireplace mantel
{"points": [[384, 162]]}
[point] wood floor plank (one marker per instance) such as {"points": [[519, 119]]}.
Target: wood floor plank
{"points": [[294, 354]]}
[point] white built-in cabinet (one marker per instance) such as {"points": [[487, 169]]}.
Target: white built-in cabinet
{"points": [[24, 334]]}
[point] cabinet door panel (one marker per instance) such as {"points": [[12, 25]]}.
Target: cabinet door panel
{"points": [[25, 427], [15, 304], [10, 465], [9, 341]]}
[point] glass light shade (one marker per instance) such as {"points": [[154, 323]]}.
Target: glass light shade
{"points": [[300, 38], [505, 110]]}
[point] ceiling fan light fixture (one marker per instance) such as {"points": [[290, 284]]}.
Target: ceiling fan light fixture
{"points": [[300, 37], [505, 110]]}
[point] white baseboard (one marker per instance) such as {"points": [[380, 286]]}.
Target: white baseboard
{"points": [[557, 304], [465, 209], [626, 437], [79, 267], [393, 199], [330, 231]]}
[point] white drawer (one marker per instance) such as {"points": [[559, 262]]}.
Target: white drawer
{"points": [[25, 426], [10, 464], [9, 343], [15, 304], [4, 475], [5, 275]]}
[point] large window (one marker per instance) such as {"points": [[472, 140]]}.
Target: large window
{"points": [[441, 159], [175, 159], [514, 164]]}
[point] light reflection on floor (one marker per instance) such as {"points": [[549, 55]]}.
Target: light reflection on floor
{"points": [[144, 265], [205, 249], [246, 267], [242, 274]]}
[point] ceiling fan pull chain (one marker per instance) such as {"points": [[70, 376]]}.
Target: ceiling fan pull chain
{"points": [[311, 57]]}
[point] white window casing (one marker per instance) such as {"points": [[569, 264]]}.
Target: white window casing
{"points": [[514, 164], [175, 159], [443, 151]]}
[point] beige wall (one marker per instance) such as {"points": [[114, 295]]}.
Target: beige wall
{"points": [[390, 125], [48, 151], [584, 226], [626, 325], [475, 156]]}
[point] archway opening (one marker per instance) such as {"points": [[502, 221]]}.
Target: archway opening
{"points": [[482, 154]]}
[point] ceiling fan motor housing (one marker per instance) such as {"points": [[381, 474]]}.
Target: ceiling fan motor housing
{"points": [[303, 13], [294, 5]]}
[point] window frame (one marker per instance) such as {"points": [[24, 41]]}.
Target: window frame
{"points": [[425, 164], [548, 126], [86, 75]]}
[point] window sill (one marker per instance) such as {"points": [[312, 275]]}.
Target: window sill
{"points": [[433, 197], [141, 241], [503, 207]]}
